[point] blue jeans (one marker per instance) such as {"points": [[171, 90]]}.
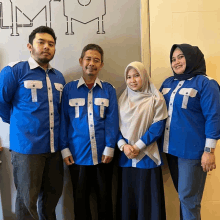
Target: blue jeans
{"points": [[38, 179], [189, 181]]}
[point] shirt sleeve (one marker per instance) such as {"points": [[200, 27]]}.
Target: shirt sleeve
{"points": [[111, 124], [151, 135], [64, 124], [121, 140], [8, 87], [210, 104]]}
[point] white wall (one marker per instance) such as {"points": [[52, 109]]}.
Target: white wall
{"points": [[121, 43]]}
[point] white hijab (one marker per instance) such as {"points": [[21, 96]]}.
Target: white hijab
{"points": [[139, 110]]}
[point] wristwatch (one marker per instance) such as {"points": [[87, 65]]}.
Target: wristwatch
{"points": [[209, 150]]}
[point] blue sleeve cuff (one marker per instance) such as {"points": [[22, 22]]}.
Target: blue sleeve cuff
{"points": [[66, 153], [109, 151], [211, 143]]}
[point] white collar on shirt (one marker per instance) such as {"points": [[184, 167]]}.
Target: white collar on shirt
{"points": [[82, 82], [33, 64]]}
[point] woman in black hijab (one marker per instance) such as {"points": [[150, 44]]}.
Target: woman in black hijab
{"points": [[192, 127]]}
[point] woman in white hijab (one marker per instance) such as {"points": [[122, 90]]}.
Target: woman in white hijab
{"points": [[142, 112]]}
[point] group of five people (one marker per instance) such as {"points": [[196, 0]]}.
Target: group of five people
{"points": [[82, 122]]}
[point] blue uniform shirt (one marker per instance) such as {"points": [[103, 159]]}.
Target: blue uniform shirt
{"points": [[193, 116], [151, 135], [89, 121], [30, 102]]}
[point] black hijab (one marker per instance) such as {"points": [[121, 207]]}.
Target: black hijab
{"points": [[195, 62]]}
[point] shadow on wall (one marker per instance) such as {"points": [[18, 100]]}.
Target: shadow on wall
{"points": [[6, 186]]}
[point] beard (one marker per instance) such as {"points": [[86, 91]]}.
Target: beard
{"points": [[44, 60], [39, 59]]}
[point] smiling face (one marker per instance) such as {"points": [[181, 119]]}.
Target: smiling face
{"points": [[91, 64], [43, 49], [134, 80], [178, 62]]}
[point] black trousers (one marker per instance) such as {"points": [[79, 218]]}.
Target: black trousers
{"points": [[83, 179]]}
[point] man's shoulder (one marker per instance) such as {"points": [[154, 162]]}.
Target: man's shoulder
{"points": [[72, 84], [57, 71], [107, 84], [12, 64], [17, 64], [59, 74]]}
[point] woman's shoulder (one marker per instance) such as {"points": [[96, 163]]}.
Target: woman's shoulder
{"points": [[204, 80], [168, 81]]}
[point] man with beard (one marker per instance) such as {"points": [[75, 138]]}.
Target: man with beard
{"points": [[30, 94], [88, 134]]}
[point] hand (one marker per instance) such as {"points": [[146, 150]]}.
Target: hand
{"points": [[69, 160], [136, 150], [1, 149], [130, 151], [106, 159], [208, 161]]}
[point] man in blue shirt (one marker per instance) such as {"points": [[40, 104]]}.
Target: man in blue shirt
{"points": [[88, 134], [30, 95]]}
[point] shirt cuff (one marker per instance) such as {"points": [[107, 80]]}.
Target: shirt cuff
{"points": [[211, 143], [140, 144], [66, 153], [121, 143], [109, 151]]}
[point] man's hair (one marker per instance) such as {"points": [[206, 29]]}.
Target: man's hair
{"points": [[93, 47], [41, 29]]}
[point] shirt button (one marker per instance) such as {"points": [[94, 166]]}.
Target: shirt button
{"points": [[180, 84], [51, 128], [89, 91], [51, 113], [49, 88], [90, 102], [90, 113], [170, 103], [91, 125], [102, 103], [167, 128], [174, 92], [92, 137], [186, 92], [76, 103], [50, 100], [33, 85]]}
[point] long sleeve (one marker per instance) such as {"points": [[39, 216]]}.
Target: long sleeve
{"points": [[64, 124], [151, 135], [8, 86], [111, 124], [121, 141], [210, 105]]}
